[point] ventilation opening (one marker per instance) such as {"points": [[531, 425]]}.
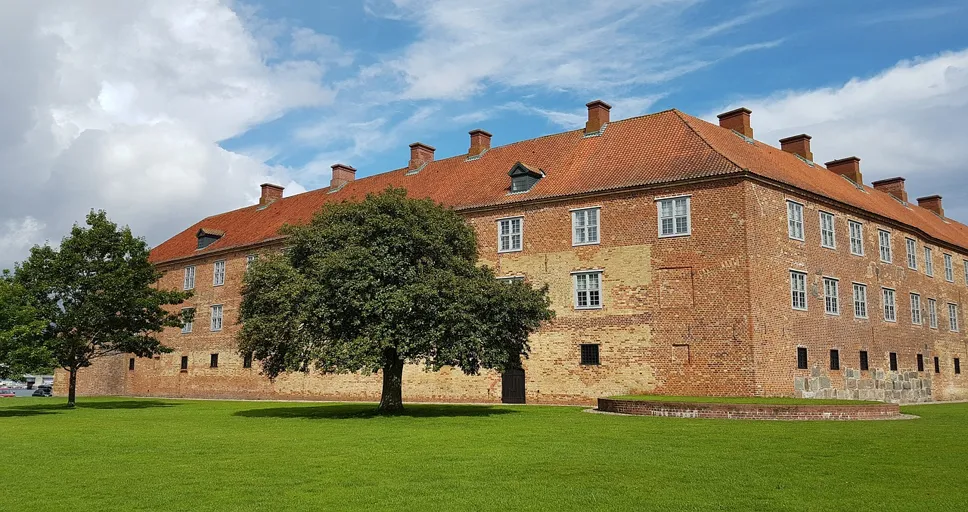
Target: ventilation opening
{"points": [[893, 361], [802, 358], [589, 354], [834, 359]]}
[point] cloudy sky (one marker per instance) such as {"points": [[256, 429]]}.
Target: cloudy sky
{"points": [[165, 112]]}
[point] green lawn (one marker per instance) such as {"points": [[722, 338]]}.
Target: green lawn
{"points": [[133, 454], [743, 400]]}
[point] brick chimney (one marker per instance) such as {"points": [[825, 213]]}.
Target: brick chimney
{"points": [[420, 154], [932, 203], [737, 120], [893, 186], [342, 174], [798, 145], [847, 167], [270, 193], [597, 116], [480, 142]]}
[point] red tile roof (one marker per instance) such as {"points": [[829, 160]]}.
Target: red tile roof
{"points": [[657, 148]]}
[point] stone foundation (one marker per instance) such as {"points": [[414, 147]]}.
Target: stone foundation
{"points": [[750, 411], [877, 384]]}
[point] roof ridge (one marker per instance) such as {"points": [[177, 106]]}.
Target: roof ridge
{"points": [[682, 117]]}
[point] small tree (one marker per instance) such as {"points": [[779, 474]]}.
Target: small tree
{"points": [[96, 296], [376, 284], [21, 328]]}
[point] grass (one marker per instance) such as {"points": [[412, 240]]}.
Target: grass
{"points": [[743, 400], [137, 454]]}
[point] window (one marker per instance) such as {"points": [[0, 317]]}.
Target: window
{"points": [[511, 279], [928, 262], [509, 234], [856, 238], [949, 269], [920, 362], [860, 300], [795, 220], [965, 262], [893, 357], [249, 259], [828, 237], [937, 365], [933, 313], [802, 358], [675, 218], [864, 366], [131, 364], [912, 253], [214, 361], [884, 242], [589, 354], [247, 360], [217, 317], [915, 309], [890, 308], [953, 317], [957, 365], [798, 289], [184, 363], [218, 273], [584, 226], [831, 296], [588, 286], [187, 320], [834, 359], [189, 277]]}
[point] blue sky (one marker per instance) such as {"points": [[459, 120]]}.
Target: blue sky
{"points": [[163, 113]]}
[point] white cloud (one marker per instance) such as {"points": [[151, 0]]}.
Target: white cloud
{"points": [[17, 236], [905, 121]]}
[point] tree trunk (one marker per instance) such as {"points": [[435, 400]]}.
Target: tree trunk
{"points": [[392, 399], [72, 388]]}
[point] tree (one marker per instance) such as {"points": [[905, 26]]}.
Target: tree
{"points": [[372, 285], [97, 297], [21, 328]]}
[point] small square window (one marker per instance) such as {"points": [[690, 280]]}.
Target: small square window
{"points": [[893, 357], [510, 233], [588, 290], [802, 358], [920, 362], [864, 365], [589, 354], [131, 364], [937, 365], [675, 216], [585, 226], [214, 361], [247, 360], [184, 363], [957, 365], [834, 359]]}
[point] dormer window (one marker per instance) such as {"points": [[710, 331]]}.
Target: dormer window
{"points": [[523, 177], [207, 237]]}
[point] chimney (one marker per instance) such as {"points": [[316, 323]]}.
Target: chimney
{"points": [[480, 142], [420, 154], [597, 116], [893, 186], [932, 203], [737, 120], [847, 167], [798, 145], [270, 193], [342, 174]]}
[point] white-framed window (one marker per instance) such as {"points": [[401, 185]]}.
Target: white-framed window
{"points": [[798, 290], [186, 324], [884, 243], [189, 282], [249, 258], [584, 226], [828, 236], [949, 269], [511, 279], [217, 317], [856, 238], [795, 220], [890, 306], [965, 262], [509, 234], [675, 216], [588, 289], [928, 262], [860, 300], [831, 296], [912, 253], [915, 309], [953, 317], [218, 273], [933, 313]]}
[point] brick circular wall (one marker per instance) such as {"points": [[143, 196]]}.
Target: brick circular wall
{"points": [[750, 411]]}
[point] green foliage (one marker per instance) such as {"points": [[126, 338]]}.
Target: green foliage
{"points": [[96, 295], [21, 343], [370, 285]]}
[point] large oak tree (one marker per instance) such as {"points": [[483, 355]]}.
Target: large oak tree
{"points": [[96, 294], [373, 285]]}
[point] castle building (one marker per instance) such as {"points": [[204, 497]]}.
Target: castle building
{"points": [[683, 258]]}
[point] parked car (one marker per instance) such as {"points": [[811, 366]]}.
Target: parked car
{"points": [[42, 391], [7, 393]]}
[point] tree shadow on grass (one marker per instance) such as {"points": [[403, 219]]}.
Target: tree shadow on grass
{"points": [[58, 406], [368, 411]]}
